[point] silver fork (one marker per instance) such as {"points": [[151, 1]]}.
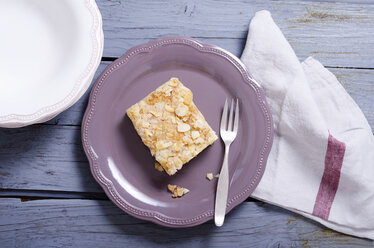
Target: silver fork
{"points": [[228, 134]]}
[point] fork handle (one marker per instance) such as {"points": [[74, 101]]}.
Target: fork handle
{"points": [[222, 190]]}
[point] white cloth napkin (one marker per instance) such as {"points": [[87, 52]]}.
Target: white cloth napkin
{"points": [[321, 164]]}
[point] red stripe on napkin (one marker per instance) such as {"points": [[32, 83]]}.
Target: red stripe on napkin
{"points": [[330, 179]]}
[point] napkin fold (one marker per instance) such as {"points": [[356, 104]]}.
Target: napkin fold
{"points": [[321, 164]]}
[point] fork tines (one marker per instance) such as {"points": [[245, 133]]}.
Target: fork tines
{"points": [[228, 127]]}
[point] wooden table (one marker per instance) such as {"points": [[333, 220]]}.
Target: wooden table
{"points": [[48, 196]]}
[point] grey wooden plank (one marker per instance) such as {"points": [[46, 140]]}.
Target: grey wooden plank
{"points": [[121, 45], [360, 85], [91, 223], [44, 157], [338, 33], [340, 1], [27, 194]]}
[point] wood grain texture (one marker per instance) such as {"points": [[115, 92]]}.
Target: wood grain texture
{"points": [[360, 85], [44, 157], [338, 33], [91, 223]]}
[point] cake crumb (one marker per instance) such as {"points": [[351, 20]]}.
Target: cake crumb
{"points": [[209, 176], [159, 167], [171, 187], [177, 191]]}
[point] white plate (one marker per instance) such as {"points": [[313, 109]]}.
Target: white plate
{"points": [[49, 53]]}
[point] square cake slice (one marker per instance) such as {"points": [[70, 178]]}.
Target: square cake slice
{"points": [[171, 125]]}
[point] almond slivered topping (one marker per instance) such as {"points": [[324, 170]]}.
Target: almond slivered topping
{"points": [[209, 176], [159, 167], [177, 191], [171, 126]]}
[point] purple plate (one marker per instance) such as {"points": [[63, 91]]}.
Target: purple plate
{"points": [[124, 167]]}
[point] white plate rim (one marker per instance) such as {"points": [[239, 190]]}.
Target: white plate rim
{"points": [[81, 85]]}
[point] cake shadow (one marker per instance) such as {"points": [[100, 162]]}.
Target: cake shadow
{"points": [[140, 155]]}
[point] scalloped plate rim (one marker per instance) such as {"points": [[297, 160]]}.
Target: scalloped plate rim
{"points": [[154, 216]]}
